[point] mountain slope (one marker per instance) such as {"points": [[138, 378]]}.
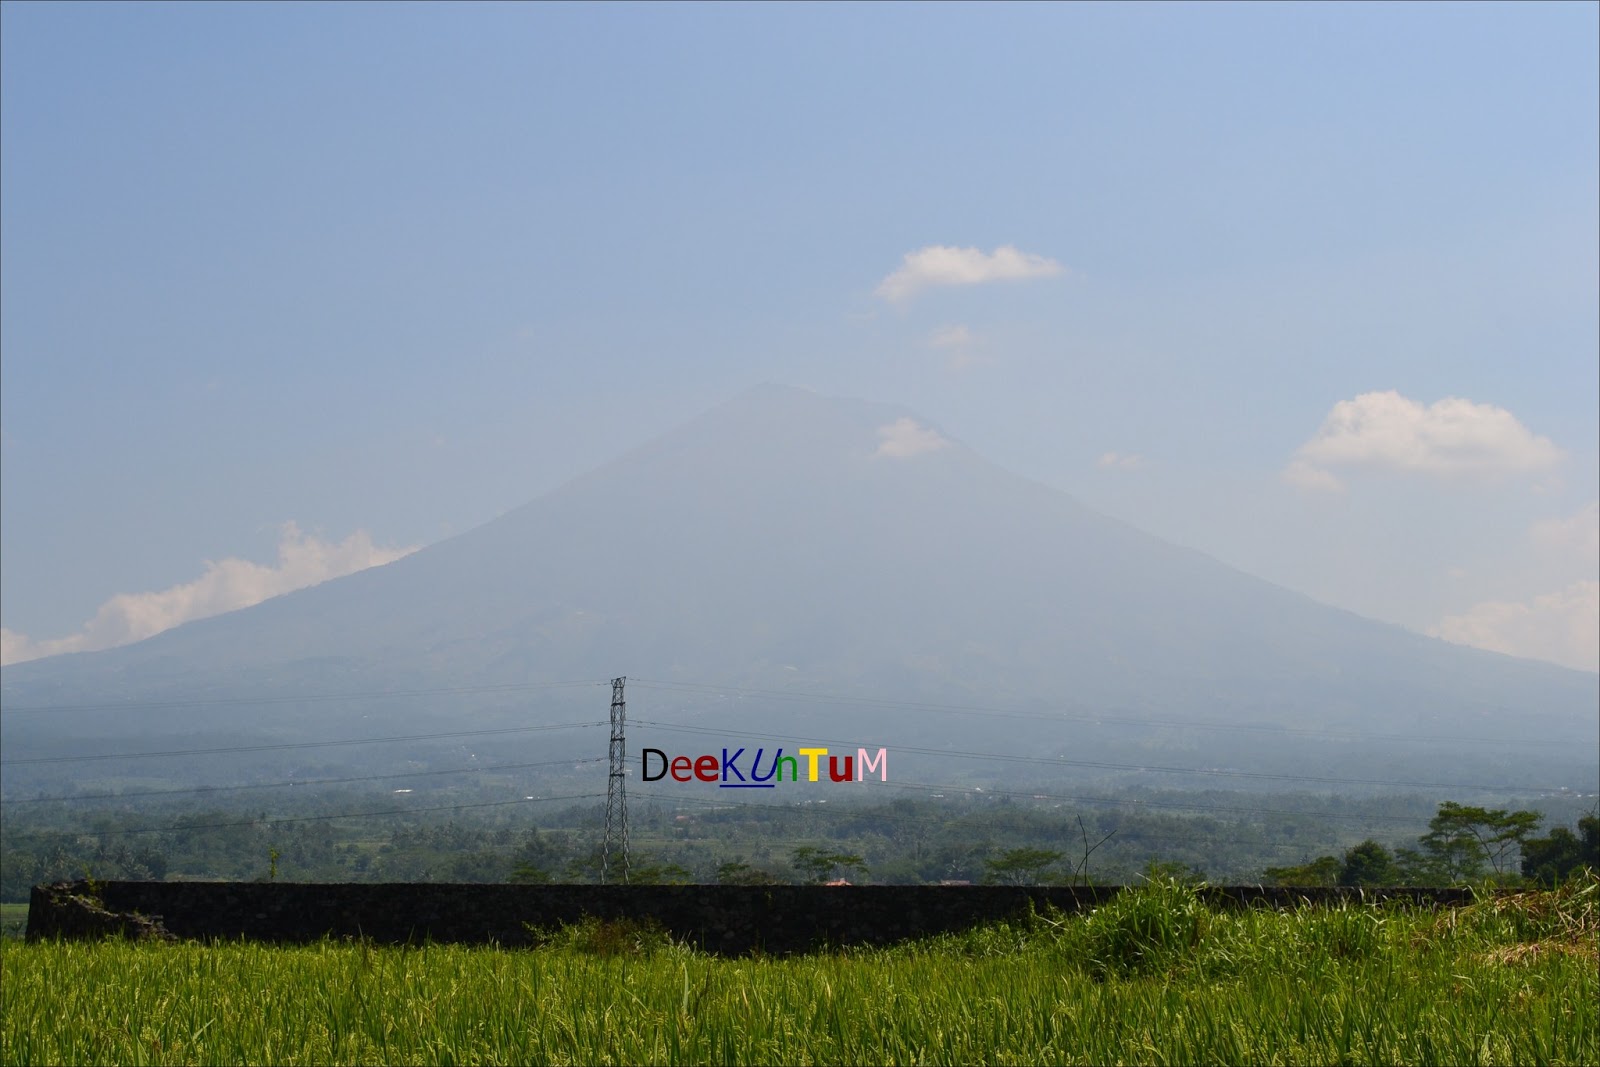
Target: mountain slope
{"points": [[789, 539]]}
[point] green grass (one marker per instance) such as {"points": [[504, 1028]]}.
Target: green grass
{"points": [[13, 920], [1153, 977]]}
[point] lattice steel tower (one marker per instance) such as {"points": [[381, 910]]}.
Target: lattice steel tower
{"points": [[616, 788]]}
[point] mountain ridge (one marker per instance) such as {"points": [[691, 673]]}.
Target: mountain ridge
{"points": [[784, 538]]}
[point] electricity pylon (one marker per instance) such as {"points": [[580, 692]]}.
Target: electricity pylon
{"points": [[616, 788]]}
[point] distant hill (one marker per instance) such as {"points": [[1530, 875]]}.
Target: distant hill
{"points": [[791, 541]]}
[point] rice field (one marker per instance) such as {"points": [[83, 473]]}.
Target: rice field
{"points": [[1155, 976]]}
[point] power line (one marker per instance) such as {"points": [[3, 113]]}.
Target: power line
{"points": [[678, 727], [1127, 807], [208, 789], [970, 791], [1232, 809], [978, 710], [371, 694], [300, 744], [1093, 720], [983, 711], [617, 778], [1100, 764], [1134, 834], [310, 818]]}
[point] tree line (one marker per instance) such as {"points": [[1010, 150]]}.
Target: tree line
{"points": [[1463, 844], [905, 841]]}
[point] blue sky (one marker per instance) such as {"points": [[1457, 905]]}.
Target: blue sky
{"points": [[397, 269]]}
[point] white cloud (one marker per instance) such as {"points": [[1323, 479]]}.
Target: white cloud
{"points": [[1451, 438], [1117, 459], [961, 344], [1303, 475], [16, 647], [947, 265], [904, 438], [1577, 534], [951, 337], [1561, 627], [226, 585], [962, 359]]}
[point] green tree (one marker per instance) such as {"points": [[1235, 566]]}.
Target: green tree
{"points": [[530, 874], [585, 867], [1461, 839], [1553, 858], [1368, 863], [1324, 870], [658, 874], [536, 855], [735, 873], [818, 864], [1415, 868], [1021, 866]]}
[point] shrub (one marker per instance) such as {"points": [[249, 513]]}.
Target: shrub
{"points": [[593, 936], [1150, 927]]}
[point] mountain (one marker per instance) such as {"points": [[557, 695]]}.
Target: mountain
{"points": [[790, 541]]}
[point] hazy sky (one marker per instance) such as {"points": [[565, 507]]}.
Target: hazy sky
{"points": [[288, 289]]}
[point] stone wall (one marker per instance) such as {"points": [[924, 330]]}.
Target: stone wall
{"points": [[718, 918]]}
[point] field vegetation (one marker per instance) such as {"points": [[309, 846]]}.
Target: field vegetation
{"points": [[1155, 976]]}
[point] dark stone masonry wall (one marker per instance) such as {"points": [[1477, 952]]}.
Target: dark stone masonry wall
{"points": [[718, 918]]}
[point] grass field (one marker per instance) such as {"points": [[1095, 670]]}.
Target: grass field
{"points": [[1153, 977], [13, 920]]}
